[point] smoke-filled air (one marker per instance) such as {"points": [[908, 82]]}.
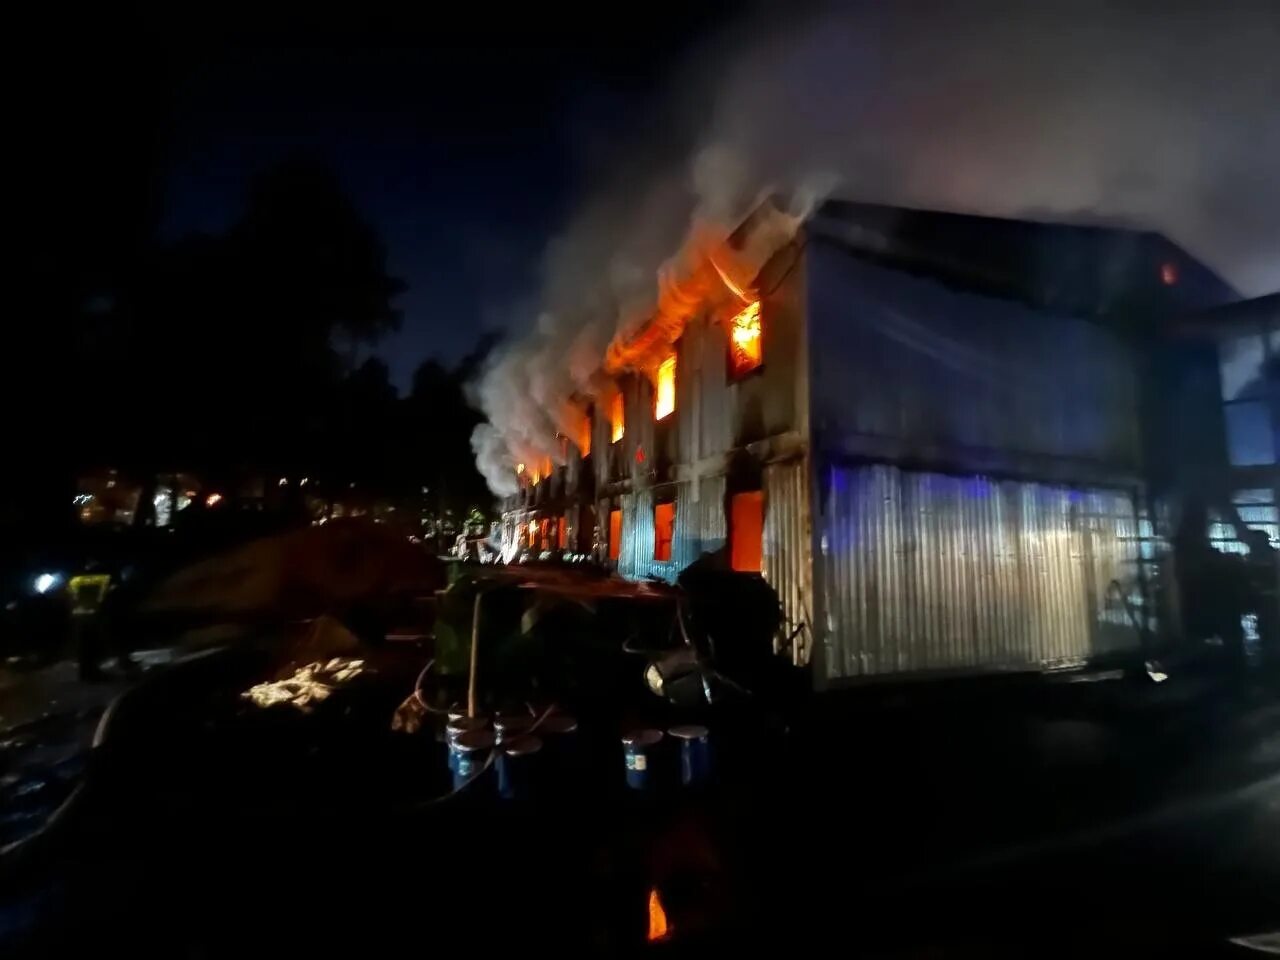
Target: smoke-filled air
{"points": [[1162, 116]]}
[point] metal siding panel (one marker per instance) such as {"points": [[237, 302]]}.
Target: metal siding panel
{"points": [[926, 572], [1032, 383], [787, 562]]}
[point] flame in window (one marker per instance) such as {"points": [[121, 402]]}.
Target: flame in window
{"points": [[545, 469], [665, 399], [584, 439], [519, 469], [658, 926], [745, 346], [617, 419], [664, 526]]}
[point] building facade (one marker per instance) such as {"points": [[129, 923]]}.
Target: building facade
{"points": [[925, 431]]}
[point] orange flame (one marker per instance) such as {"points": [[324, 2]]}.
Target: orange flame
{"points": [[658, 926], [745, 348], [617, 419], [664, 402]]}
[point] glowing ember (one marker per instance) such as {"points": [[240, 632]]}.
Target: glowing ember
{"points": [[213, 499], [665, 399], [617, 419], [658, 926], [745, 347]]}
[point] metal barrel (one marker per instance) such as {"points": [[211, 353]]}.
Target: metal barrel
{"points": [[640, 753], [456, 727], [467, 755], [508, 726], [517, 766], [695, 752]]}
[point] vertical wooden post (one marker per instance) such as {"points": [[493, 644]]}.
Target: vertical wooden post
{"points": [[475, 647]]}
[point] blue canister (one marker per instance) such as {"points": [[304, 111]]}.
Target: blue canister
{"points": [[456, 727], [640, 752], [517, 761], [508, 726], [468, 754], [695, 752]]}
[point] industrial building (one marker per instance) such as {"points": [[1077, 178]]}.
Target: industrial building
{"points": [[946, 440]]}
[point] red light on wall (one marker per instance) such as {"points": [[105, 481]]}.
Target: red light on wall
{"points": [[1168, 274]]}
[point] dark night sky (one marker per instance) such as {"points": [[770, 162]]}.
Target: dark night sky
{"points": [[465, 156]]}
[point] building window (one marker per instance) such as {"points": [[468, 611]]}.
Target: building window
{"points": [[1250, 441], [545, 467], [617, 418], [664, 401], [746, 531], [544, 538], [1245, 366], [562, 533], [664, 529], [746, 348], [615, 534]]}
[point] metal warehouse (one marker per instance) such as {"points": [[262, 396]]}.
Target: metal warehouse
{"points": [[934, 434]]}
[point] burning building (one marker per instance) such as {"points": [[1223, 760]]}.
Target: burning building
{"points": [[932, 433]]}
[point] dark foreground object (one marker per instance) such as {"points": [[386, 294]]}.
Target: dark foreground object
{"points": [[1035, 820]]}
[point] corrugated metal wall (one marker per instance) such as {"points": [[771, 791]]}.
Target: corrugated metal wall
{"points": [[923, 571], [906, 367], [703, 401], [787, 562], [699, 528]]}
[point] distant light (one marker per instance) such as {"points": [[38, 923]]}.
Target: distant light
{"points": [[304, 481], [46, 582], [284, 482], [1168, 274], [213, 499]]}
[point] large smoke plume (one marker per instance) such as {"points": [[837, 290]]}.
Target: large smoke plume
{"points": [[1164, 116]]}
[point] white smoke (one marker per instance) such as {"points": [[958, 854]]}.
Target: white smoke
{"points": [[1160, 115]]}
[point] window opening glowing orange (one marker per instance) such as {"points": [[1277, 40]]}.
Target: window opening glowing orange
{"points": [[664, 527], [584, 441], [617, 419], [746, 349], [664, 401], [615, 534], [562, 533], [545, 469], [746, 531]]}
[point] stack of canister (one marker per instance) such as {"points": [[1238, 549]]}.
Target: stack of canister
{"points": [[651, 759]]}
